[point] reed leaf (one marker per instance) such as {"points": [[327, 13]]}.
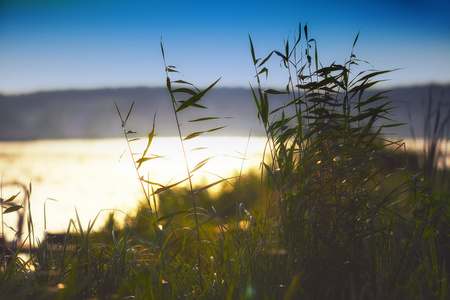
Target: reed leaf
{"points": [[197, 97], [12, 209]]}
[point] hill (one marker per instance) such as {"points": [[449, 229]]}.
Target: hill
{"points": [[91, 113]]}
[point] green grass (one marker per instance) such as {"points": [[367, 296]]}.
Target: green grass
{"points": [[326, 217]]}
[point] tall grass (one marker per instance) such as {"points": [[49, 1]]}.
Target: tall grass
{"points": [[326, 153], [337, 218], [436, 135], [330, 220]]}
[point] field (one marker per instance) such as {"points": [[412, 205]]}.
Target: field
{"points": [[336, 211]]}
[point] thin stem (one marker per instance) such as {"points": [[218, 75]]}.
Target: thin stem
{"points": [[3, 224], [137, 171], [188, 172]]}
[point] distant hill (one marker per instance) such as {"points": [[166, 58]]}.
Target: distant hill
{"points": [[412, 104], [92, 114]]}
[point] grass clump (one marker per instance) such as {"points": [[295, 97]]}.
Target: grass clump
{"points": [[327, 218]]}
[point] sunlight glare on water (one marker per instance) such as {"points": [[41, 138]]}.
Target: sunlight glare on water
{"points": [[91, 175], [95, 175]]}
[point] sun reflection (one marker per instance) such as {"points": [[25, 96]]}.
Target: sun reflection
{"points": [[95, 175]]}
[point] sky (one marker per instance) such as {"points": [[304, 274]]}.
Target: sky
{"points": [[56, 45]]}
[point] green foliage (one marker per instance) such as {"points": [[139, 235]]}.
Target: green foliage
{"points": [[328, 194], [436, 133]]}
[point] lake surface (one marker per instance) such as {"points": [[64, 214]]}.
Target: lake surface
{"points": [[92, 175]]}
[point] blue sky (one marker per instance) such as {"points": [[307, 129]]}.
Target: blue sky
{"points": [[47, 45]]}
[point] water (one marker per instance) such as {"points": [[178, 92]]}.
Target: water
{"points": [[94, 175]]}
